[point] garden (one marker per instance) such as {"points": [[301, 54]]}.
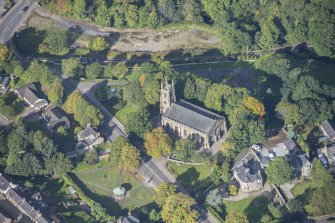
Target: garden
{"points": [[98, 183]]}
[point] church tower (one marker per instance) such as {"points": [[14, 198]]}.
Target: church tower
{"points": [[167, 96]]}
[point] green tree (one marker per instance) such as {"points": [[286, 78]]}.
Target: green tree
{"points": [[99, 44], [151, 92], [91, 157], [116, 149], [56, 42], [214, 198], [138, 123], [38, 72], [178, 208], [58, 165], [3, 143], [184, 149], [279, 172], [72, 67], [319, 176], [157, 143], [79, 9], [93, 71], [276, 212], [270, 34], [120, 70], [103, 17], [233, 190], [56, 92]]}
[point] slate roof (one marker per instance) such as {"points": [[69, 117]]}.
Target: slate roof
{"points": [[31, 94], [88, 135], [4, 80], [4, 184], [248, 170], [290, 144], [331, 152], [192, 116], [128, 219], [299, 161], [55, 118], [328, 129]]}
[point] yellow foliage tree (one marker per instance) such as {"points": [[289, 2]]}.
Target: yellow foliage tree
{"points": [[254, 106], [157, 143], [4, 53]]}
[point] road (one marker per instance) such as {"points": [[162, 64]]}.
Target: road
{"points": [[111, 128], [14, 19]]}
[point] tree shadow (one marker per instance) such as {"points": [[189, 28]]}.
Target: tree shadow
{"points": [[257, 208], [73, 33], [107, 202], [189, 179], [28, 40], [143, 212], [127, 186]]}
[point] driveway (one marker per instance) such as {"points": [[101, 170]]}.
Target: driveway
{"points": [[242, 195]]}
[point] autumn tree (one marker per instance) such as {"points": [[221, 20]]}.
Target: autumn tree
{"points": [[254, 106], [236, 217], [151, 91], [4, 53], [179, 208], [162, 193], [130, 157], [99, 44], [63, 7], [157, 143]]}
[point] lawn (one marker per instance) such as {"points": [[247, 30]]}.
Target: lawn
{"points": [[299, 189], [213, 66], [99, 182], [195, 178], [253, 207], [123, 113]]}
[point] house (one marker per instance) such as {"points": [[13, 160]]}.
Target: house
{"points": [[88, 138], [4, 84], [20, 203], [301, 165], [129, 219], [248, 173], [328, 130], [32, 95], [189, 121], [55, 118]]}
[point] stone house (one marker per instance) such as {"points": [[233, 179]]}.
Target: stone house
{"points": [[55, 119], [329, 153], [248, 174], [32, 95], [4, 84], [189, 121], [328, 130], [88, 138], [301, 165]]}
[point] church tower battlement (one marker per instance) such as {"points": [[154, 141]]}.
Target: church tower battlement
{"points": [[167, 96]]}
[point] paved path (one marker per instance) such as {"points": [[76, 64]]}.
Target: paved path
{"points": [[286, 188], [242, 195]]}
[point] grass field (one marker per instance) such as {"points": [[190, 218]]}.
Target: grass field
{"points": [[195, 178], [100, 182], [123, 113], [300, 188], [253, 207]]}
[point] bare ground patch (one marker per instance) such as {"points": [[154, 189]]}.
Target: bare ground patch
{"points": [[140, 40]]}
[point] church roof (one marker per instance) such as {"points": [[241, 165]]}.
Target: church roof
{"points": [[192, 116]]}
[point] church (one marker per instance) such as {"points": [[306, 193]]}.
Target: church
{"points": [[189, 121]]}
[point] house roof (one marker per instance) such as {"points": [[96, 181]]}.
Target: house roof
{"points": [[192, 116], [331, 152], [89, 135], [4, 80], [33, 95], [290, 144], [4, 184], [299, 161], [81, 147], [328, 129], [248, 170], [128, 219], [4, 219], [55, 117]]}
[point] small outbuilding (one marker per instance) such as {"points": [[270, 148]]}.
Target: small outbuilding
{"points": [[119, 192]]}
